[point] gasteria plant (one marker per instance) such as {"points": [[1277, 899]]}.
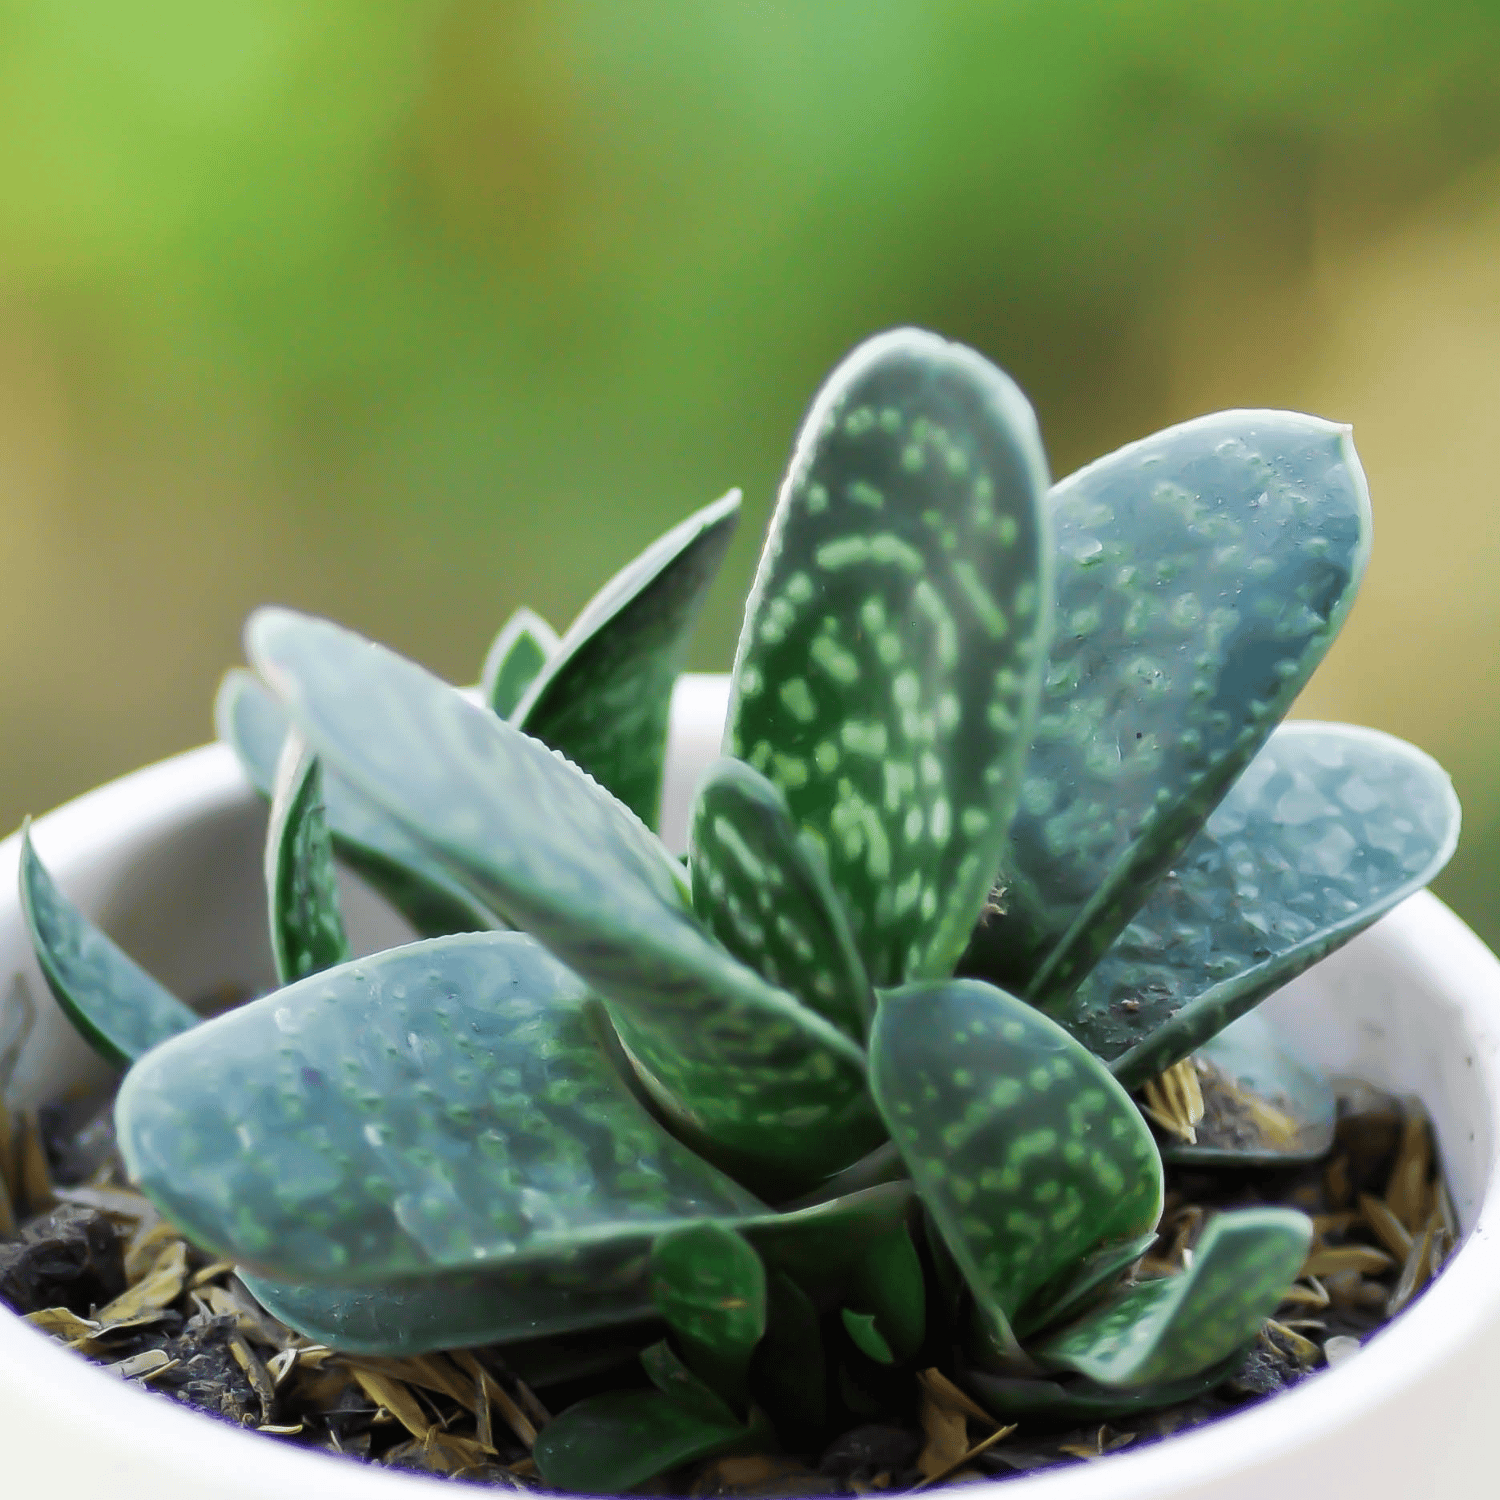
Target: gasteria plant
{"points": [[978, 727]]}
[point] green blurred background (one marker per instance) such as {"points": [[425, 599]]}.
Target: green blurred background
{"points": [[410, 313]]}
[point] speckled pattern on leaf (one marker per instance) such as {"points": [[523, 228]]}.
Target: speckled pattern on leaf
{"points": [[1201, 575], [254, 725], [605, 693], [1327, 829], [1027, 1154], [1174, 1327], [888, 669], [442, 1106], [762, 888], [746, 1071]]}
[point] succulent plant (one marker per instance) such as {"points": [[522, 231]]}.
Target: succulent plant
{"points": [[1005, 828]]}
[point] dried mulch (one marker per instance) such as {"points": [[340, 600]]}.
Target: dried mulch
{"points": [[91, 1263]]}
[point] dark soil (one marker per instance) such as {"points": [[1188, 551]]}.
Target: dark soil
{"points": [[96, 1268]]}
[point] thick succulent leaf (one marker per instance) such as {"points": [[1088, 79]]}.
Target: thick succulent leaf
{"points": [[1063, 1403], [1329, 827], [1174, 1328], [604, 696], [888, 1282], [888, 671], [762, 888], [1283, 1107], [1080, 1284], [113, 1003], [1202, 573], [864, 1331], [789, 1373], [673, 1378], [710, 1286], [302, 894], [745, 1070], [443, 1106], [1026, 1152], [515, 660], [826, 1246], [254, 725], [592, 1288], [609, 1444]]}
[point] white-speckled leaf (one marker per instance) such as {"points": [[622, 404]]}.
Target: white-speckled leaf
{"points": [[1201, 574], [769, 1086], [302, 896], [1027, 1154], [440, 1107], [762, 889], [515, 660], [605, 694], [1172, 1328], [888, 670], [1329, 827], [254, 725]]}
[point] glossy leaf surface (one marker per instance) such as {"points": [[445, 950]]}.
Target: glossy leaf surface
{"points": [[443, 1106], [609, 1444], [673, 1378], [1025, 1151], [823, 1247], [113, 1003], [710, 1286], [254, 725], [592, 1288], [888, 1282], [1329, 827], [515, 660], [1202, 573], [743, 1068], [887, 673], [1288, 1109], [1175, 1327], [604, 696], [864, 1331], [302, 896], [762, 888]]}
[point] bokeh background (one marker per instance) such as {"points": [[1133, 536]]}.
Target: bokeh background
{"points": [[411, 313]]}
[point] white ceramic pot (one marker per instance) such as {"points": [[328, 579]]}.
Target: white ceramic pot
{"points": [[168, 861]]}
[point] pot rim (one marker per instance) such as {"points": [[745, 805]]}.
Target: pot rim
{"points": [[152, 1444]]}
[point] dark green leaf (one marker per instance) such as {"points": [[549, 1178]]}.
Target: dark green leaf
{"points": [[1329, 827], [1173, 1328], [302, 894], [1202, 573], [440, 1107], [1080, 1284], [673, 1378], [867, 1337], [1026, 1152], [609, 1444], [604, 696], [709, 1285], [745, 1071], [515, 660], [889, 1283], [762, 888], [823, 1247], [1059, 1403], [113, 1003], [1289, 1107], [591, 1288], [254, 725], [789, 1374], [887, 675]]}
